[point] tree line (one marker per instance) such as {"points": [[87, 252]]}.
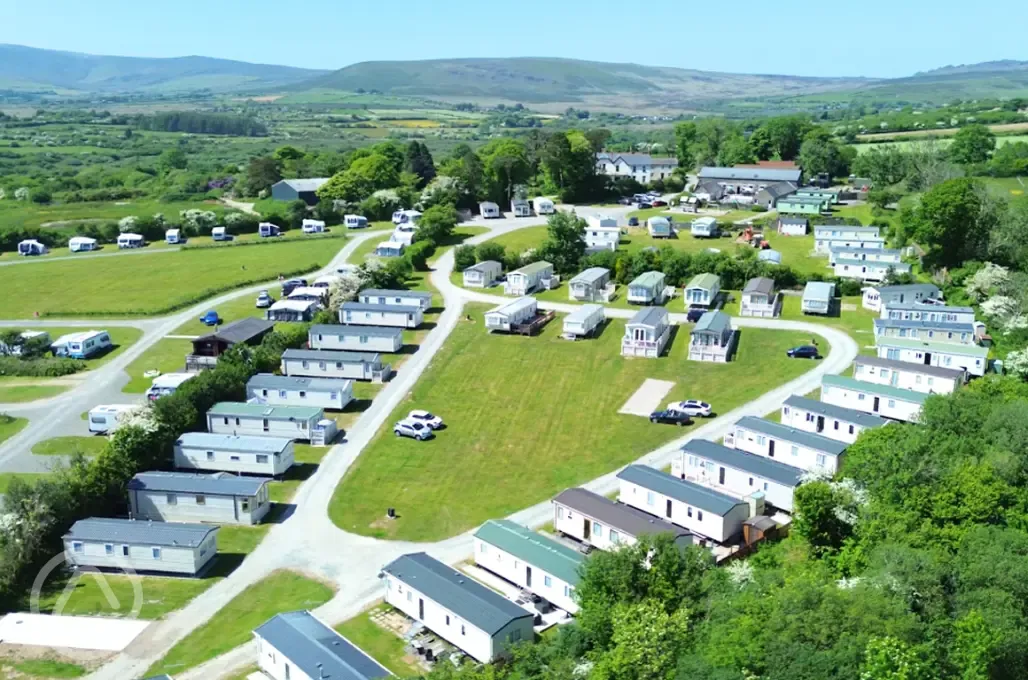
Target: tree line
{"points": [[203, 123]]}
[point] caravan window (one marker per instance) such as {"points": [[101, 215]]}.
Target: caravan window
{"points": [[172, 499], [109, 549], [210, 454], [76, 547], [156, 552], [201, 499], [262, 458]]}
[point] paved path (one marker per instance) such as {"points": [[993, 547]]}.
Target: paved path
{"points": [[309, 542]]}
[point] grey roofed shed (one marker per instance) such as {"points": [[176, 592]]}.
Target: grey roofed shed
{"points": [[369, 307], [647, 316], [317, 650], [346, 329], [747, 462], [329, 355], [394, 292], [713, 322], [133, 531], [470, 600], [794, 220], [789, 434], [760, 284], [232, 442], [280, 382], [591, 275], [895, 364], [848, 415], [187, 482], [619, 516], [752, 174], [680, 489]]}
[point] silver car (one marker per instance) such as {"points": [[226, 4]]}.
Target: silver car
{"points": [[412, 429]]}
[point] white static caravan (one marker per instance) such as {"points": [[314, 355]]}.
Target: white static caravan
{"points": [[81, 345], [31, 247], [489, 210], [702, 290], [828, 236], [312, 227], [908, 376], [927, 311], [699, 509], [292, 310], [130, 241], [658, 226], [866, 270], [480, 622], [314, 363], [284, 390], [528, 279], [143, 546], [875, 297], [801, 449], [255, 455], [818, 298], [879, 255], [928, 331], [589, 286], [542, 205], [971, 358], [81, 244], [173, 236], [355, 338], [295, 422], [647, 289], [521, 208], [483, 274], [602, 237], [393, 316], [106, 418], [529, 560], [299, 646], [583, 321], [355, 221], [396, 298], [268, 230], [646, 333], [219, 498], [704, 227], [835, 422], [882, 400], [737, 473], [604, 524], [760, 299], [510, 314], [166, 384], [390, 249]]}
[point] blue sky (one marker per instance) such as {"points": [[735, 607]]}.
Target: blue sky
{"points": [[869, 38]]}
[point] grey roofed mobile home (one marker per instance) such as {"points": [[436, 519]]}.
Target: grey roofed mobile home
{"points": [[747, 462], [283, 390], [169, 547], [849, 415], [355, 338], [751, 174], [314, 649], [234, 453], [404, 298], [789, 434], [692, 494], [361, 314], [136, 531], [760, 284], [296, 422], [190, 497], [624, 518], [916, 329], [317, 363], [896, 364]]}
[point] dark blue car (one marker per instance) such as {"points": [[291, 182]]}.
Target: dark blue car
{"points": [[803, 352]]}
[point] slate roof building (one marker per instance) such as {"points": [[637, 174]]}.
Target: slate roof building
{"points": [[299, 646]]}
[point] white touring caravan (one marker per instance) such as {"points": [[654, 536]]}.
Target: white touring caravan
{"points": [[355, 221], [106, 418], [267, 230], [81, 244], [220, 234], [313, 227], [31, 247], [173, 236], [131, 241], [166, 384]]}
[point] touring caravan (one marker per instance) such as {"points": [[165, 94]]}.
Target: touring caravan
{"points": [[81, 244], [313, 227], [355, 221], [106, 418], [173, 236], [81, 345], [166, 384], [31, 247], [404, 234], [267, 230], [220, 234], [405, 216], [131, 241], [542, 205]]}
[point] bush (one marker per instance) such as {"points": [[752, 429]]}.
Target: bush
{"points": [[490, 251], [464, 257], [419, 253], [44, 367]]}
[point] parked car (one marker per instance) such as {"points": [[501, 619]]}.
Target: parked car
{"points": [[692, 407], [425, 417], [211, 318], [694, 314], [671, 418], [633, 221], [412, 429], [292, 284], [656, 203], [643, 205], [803, 352], [624, 201], [264, 300]]}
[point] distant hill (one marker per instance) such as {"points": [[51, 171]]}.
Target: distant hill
{"points": [[29, 68], [993, 79], [983, 67]]}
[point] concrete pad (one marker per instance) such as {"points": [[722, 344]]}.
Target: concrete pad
{"points": [[648, 398], [73, 632]]}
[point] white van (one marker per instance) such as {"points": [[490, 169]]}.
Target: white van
{"points": [[79, 244], [131, 241], [358, 221], [107, 418], [313, 227], [172, 236], [267, 230]]}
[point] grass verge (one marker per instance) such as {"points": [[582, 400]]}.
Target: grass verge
{"points": [[10, 426], [67, 446], [380, 644]]}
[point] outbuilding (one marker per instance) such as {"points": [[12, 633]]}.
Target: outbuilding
{"points": [[299, 646], [737, 473], [543, 205], [647, 289], [798, 448], [528, 279], [143, 546], [760, 299], [835, 422], [702, 291], [646, 333], [583, 321], [605, 524], [520, 207], [239, 454], [355, 338], [510, 314], [483, 274], [81, 345], [305, 190], [882, 400], [396, 298], [970, 358], [394, 316], [818, 298], [907, 375], [793, 226], [480, 622], [589, 286], [207, 348], [292, 310], [320, 363], [295, 422], [769, 196], [283, 390], [218, 498], [712, 338]]}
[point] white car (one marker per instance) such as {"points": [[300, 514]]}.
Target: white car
{"points": [[264, 300], [412, 429], [692, 407], [425, 417]]}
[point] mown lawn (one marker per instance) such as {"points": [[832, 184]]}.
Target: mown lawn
{"points": [[382, 645], [167, 356], [233, 310], [67, 446], [10, 426], [7, 477], [30, 669], [18, 394], [856, 321], [233, 625], [528, 417], [143, 285], [121, 338]]}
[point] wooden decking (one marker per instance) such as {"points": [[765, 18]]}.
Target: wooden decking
{"points": [[532, 327]]}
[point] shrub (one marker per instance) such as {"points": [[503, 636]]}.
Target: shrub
{"points": [[419, 253], [490, 251], [464, 257], [43, 367]]}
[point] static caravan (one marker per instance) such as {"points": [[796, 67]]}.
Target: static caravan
{"points": [[81, 345], [299, 646], [292, 310], [880, 255], [818, 298], [825, 246], [908, 376], [793, 226], [602, 238], [355, 338], [601, 221], [529, 560], [482, 275], [867, 270], [255, 455], [699, 509], [542, 205], [583, 321], [397, 298], [130, 241], [659, 227], [874, 297], [489, 210], [143, 546], [31, 247], [295, 422], [521, 208], [882, 400], [480, 622], [589, 286], [268, 230], [315, 363], [737, 473], [510, 314], [760, 299], [166, 384], [646, 333], [309, 294], [704, 227], [282, 390], [220, 234], [802, 205], [702, 291], [219, 498], [604, 524], [173, 236], [798, 448], [821, 194], [828, 236], [312, 227], [970, 358], [528, 279], [927, 331], [772, 256], [393, 316], [106, 418], [926, 311], [355, 221], [390, 249], [712, 338], [81, 244], [834, 422], [647, 289]]}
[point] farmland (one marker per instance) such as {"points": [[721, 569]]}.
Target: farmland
{"points": [[906, 144]]}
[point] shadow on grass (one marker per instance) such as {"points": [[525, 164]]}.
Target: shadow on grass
{"points": [[279, 513], [357, 406], [671, 340], [434, 310], [427, 326], [600, 329], [407, 349]]}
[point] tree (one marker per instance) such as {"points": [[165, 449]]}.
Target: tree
{"points": [[41, 196], [780, 138], [685, 142], [565, 243], [463, 257], [887, 658], [172, 159], [821, 153], [419, 162], [570, 166], [598, 138], [437, 224], [711, 134], [418, 253], [880, 197], [885, 165], [953, 222], [465, 166], [365, 176], [817, 517], [490, 250], [646, 641], [261, 173], [735, 150], [972, 144], [506, 165]]}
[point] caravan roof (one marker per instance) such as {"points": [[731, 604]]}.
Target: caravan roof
{"points": [[172, 380]]}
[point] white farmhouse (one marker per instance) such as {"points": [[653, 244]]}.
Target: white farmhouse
{"points": [[282, 390], [256, 455], [528, 279], [483, 274], [295, 422], [646, 333], [355, 338], [396, 316], [971, 358], [396, 298], [319, 363], [167, 547], [834, 422], [219, 498], [641, 167], [883, 400], [908, 376], [480, 622], [507, 316], [804, 450], [299, 646], [606, 525], [590, 285]]}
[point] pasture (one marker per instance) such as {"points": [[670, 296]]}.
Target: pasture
{"points": [[905, 144]]}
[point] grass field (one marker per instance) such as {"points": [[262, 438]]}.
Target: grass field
{"points": [[33, 669], [67, 446], [10, 426], [380, 644], [233, 625], [19, 394], [1011, 187], [857, 322], [142, 285], [942, 140], [7, 477], [527, 417], [26, 214], [167, 356]]}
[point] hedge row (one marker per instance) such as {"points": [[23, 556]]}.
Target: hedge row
{"points": [[265, 242]]}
